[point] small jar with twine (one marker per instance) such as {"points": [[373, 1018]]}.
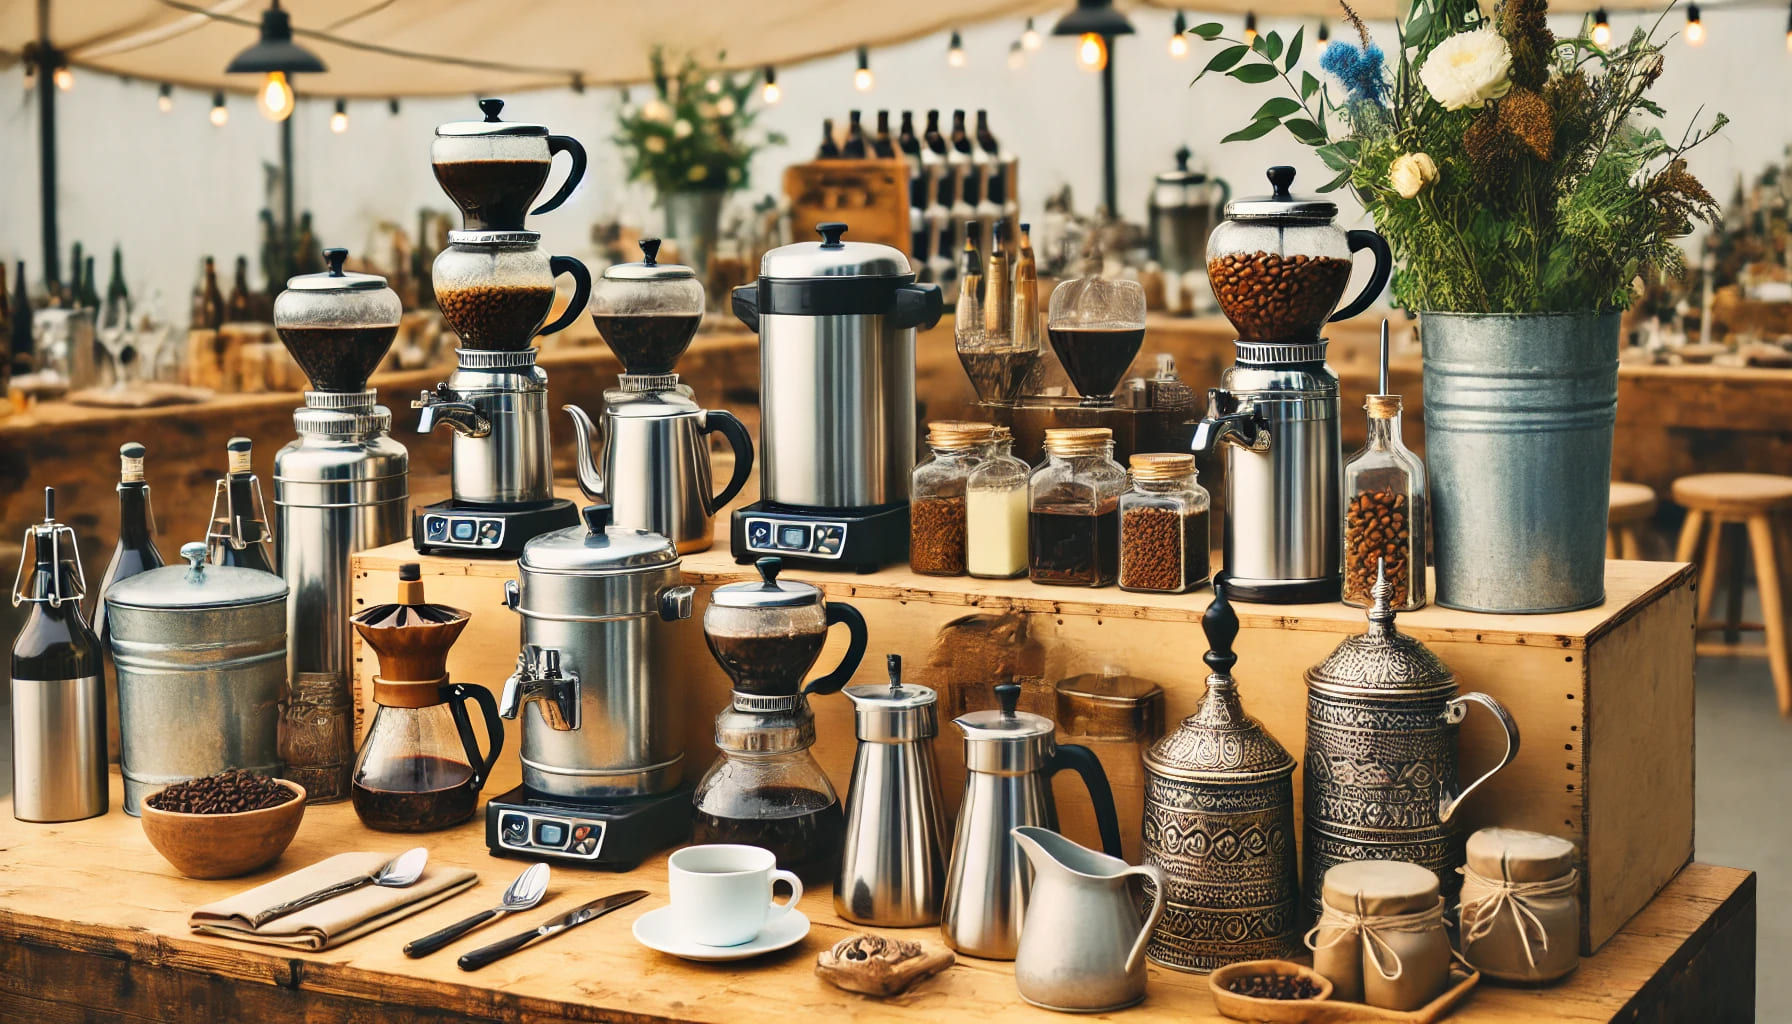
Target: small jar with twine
{"points": [[1520, 913], [1380, 939]]}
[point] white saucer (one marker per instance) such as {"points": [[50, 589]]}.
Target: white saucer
{"points": [[658, 929]]}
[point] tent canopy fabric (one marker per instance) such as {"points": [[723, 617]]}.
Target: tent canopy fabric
{"points": [[386, 48]]}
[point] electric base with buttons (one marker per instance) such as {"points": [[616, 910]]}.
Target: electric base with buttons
{"points": [[613, 835], [862, 540]]}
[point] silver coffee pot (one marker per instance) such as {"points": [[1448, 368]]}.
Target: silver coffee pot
{"points": [[893, 866], [1184, 205], [1010, 757]]}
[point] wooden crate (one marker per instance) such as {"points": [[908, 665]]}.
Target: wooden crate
{"points": [[1603, 697], [871, 196]]}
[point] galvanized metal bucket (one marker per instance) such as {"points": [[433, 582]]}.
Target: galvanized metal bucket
{"points": [[1519, 410]]}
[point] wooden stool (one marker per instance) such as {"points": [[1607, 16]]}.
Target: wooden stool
{"points": [[1754, 504], [1632, 505]]}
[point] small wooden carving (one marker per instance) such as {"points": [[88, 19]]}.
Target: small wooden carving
{"points": [[880, 966]]}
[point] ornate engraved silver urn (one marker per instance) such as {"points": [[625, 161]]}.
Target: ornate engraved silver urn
{"points": [[1382, 721], [1219, 822]]}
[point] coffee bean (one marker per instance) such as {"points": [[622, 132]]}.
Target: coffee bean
{"points": [[228, 792], [1271, 297], [1375, 529], [490, 316], [1273, 986]]}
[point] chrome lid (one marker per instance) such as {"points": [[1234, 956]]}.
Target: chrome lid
{"points": [[1382, 662], [490, 125], [197, 585], [1181, 175], [1004, 724], [649, 268], [1281, 204], [897, 712], [335, 279], [769, 592], [832, 257], [596, 547]]}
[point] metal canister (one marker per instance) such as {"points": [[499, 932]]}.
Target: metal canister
{"points": [[1219, 821], [201, 656], [597, 602]]}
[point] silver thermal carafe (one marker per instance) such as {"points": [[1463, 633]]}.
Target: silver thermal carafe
{"points": [[342, 487], [836, 323], [1183, 208], [1278, 267]]}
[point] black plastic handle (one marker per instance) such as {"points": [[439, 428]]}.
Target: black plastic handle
{"points": [[496, 951], [1360, 239], [742, 443], [457, 695], [564, 144], [745, 303], [436, 940], [918, 306], [855, 649], [581, 291], [1082, 760]]}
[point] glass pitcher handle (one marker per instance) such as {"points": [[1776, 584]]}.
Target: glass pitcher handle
{"points": [[564, 144], [581, 292], [457, 695], [1455, 712], [855, 649], [1360, 239]]}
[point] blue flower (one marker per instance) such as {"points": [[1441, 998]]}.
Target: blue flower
{"points": [[1358, 68]]}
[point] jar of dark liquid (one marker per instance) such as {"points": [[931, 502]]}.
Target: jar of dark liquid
{"points": [[494, 169], [767, 634], [337, 324], [496, 288], [647, 312], [1073, 518], [766, 789]]}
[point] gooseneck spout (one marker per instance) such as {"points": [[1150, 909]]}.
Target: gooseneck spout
{"points": [[444, 405], [591, 479], [1229, 422]]}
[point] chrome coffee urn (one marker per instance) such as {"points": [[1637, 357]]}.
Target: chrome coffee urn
{"points": [[836, 322]]}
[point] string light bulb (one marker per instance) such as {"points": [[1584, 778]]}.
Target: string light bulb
{"points": [[1602, 28], [275, 56], [220, 113], [863, 79], [339, 120], [392, 106], [1179, 36], [274, 99], [1695, 28], [955, 56], [1017, 55], [1250, 29], [1091, 52], [769, 92], [1325, 32], [1030, 39], [165, 98], [64, 78]]}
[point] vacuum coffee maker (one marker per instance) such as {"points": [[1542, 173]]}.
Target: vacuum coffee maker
{"points": [[1279, 266], [836, 322], [496, 287]]}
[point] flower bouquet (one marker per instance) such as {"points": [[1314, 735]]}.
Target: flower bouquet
{"points": [[692, 134]]}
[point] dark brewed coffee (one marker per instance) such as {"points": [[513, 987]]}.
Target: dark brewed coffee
{"points": [[807, 840], [1095, 358], [766, 665], [1073, 545], [338, 358], [647, 343], [415, 794], [495, 316], [493, 195]]}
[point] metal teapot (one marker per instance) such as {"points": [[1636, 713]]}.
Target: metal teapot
{"points": [[1082, 943]]}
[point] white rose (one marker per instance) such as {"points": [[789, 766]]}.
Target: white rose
{"points": [[654, 144], [681, 128], [656, 110], [1411, 172], [1468, 69]]}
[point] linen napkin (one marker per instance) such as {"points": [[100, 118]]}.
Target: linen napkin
{"points": [[334, 921]]}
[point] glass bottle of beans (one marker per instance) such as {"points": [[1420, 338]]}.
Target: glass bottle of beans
{"points": [[996, 512], [936, 538], [1073, 519], [1164, 526], [1385, 506]]}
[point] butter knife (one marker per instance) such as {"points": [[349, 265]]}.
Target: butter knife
{"points": [[571, 919]]}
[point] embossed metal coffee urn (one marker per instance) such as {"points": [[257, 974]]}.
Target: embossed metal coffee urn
{"points": [[1382, 721], [1219, 822]]}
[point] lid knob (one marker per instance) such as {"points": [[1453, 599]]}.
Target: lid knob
{"points": [[1381, 608], [1182, 155], [335, 258], [194, 552], [597, 517], [1220, 623], [894, 663], [650, 251], [410, 572], [830, 234], [49, 504], [491, 108], [769, 568], [1008, 695], [1281, 177]]}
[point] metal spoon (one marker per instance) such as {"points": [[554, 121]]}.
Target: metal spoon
{"points": [[400, 872], [523, 893]]}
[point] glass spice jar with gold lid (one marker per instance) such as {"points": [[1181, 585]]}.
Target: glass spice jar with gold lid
{"points": [[1164, 525], [1385, 505], [937, 537], [1073, 519]]}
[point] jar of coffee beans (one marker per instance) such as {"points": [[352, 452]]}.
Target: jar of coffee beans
{"points": [[936, 536], [1073, 518], [1384, 513], [1164, 526], [1279, 264]]}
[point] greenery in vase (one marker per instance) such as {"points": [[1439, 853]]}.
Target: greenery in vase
{"points": [[693, 134], [1511, 171]]}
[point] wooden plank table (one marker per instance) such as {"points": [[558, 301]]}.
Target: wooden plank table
{"points": [[93, 927]]}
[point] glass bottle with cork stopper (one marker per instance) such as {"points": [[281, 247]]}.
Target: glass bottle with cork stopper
{"points": [[937, 497], [1385, 507], [1164, 538], [1073, 500], [996, 511]]}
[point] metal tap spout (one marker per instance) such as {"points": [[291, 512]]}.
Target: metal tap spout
{"points": [[444, 405], [538, 680], [591, 479], [1229, 422]]}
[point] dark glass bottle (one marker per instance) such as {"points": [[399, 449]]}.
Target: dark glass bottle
{"points": [[936, 143], [210, 310], [136, 551], [118, 297], [906, 140], [967, 152], [273, 258], [70, 293], [830, 150], [58, 696], [90, 291], [854, 147], [5, 316], [240, 308], [883, 146], [239, 533], [997, 177], [19, 343], [307, 255]]}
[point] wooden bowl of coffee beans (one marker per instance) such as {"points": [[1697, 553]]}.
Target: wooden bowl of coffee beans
{"points": [[223, 825], [1268, 990]]}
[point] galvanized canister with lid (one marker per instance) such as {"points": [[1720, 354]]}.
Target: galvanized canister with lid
{"points": [[201, 657]]}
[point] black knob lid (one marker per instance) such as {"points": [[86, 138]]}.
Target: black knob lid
{"points": [[894, 663], [1025, 227], [49, 503], [1220, 623], [830, 234], [1182, 155], [650, 251], [491, 108], [410, 572], [769, 567], [334, 258], [1008, 695], [597, 517], [1281, 177]]}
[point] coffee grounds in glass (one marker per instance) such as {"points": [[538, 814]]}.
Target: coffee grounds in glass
{"points": [[493, 195], [936, 540], [1163, 550], [766, 666], [502, 317], [1074, 545], [647, 344], [338, 358]]}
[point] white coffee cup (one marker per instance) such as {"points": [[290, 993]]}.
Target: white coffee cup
{"points": [[722, 894]]}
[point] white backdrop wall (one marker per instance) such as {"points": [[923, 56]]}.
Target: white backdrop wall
{"points": [[170, 187]]}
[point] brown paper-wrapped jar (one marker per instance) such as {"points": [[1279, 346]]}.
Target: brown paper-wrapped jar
{"points": [[1381, 918], [1520, 912]]}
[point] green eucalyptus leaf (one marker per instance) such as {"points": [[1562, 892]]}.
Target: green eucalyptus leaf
{"points": [[1225, 59], [1254, 130], [1417, 27], [1272, 45], [1336, 183], [1279, 107], [1294, 46], [1254, 74], [1305, 130], [1308, 85], [1208, 30]]}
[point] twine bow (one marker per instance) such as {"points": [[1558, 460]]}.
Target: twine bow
{"points": [[1483, 899], [1371, 928]]}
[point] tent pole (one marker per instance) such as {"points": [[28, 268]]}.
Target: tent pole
{"points": [[1109, 187], [46, 143]]}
